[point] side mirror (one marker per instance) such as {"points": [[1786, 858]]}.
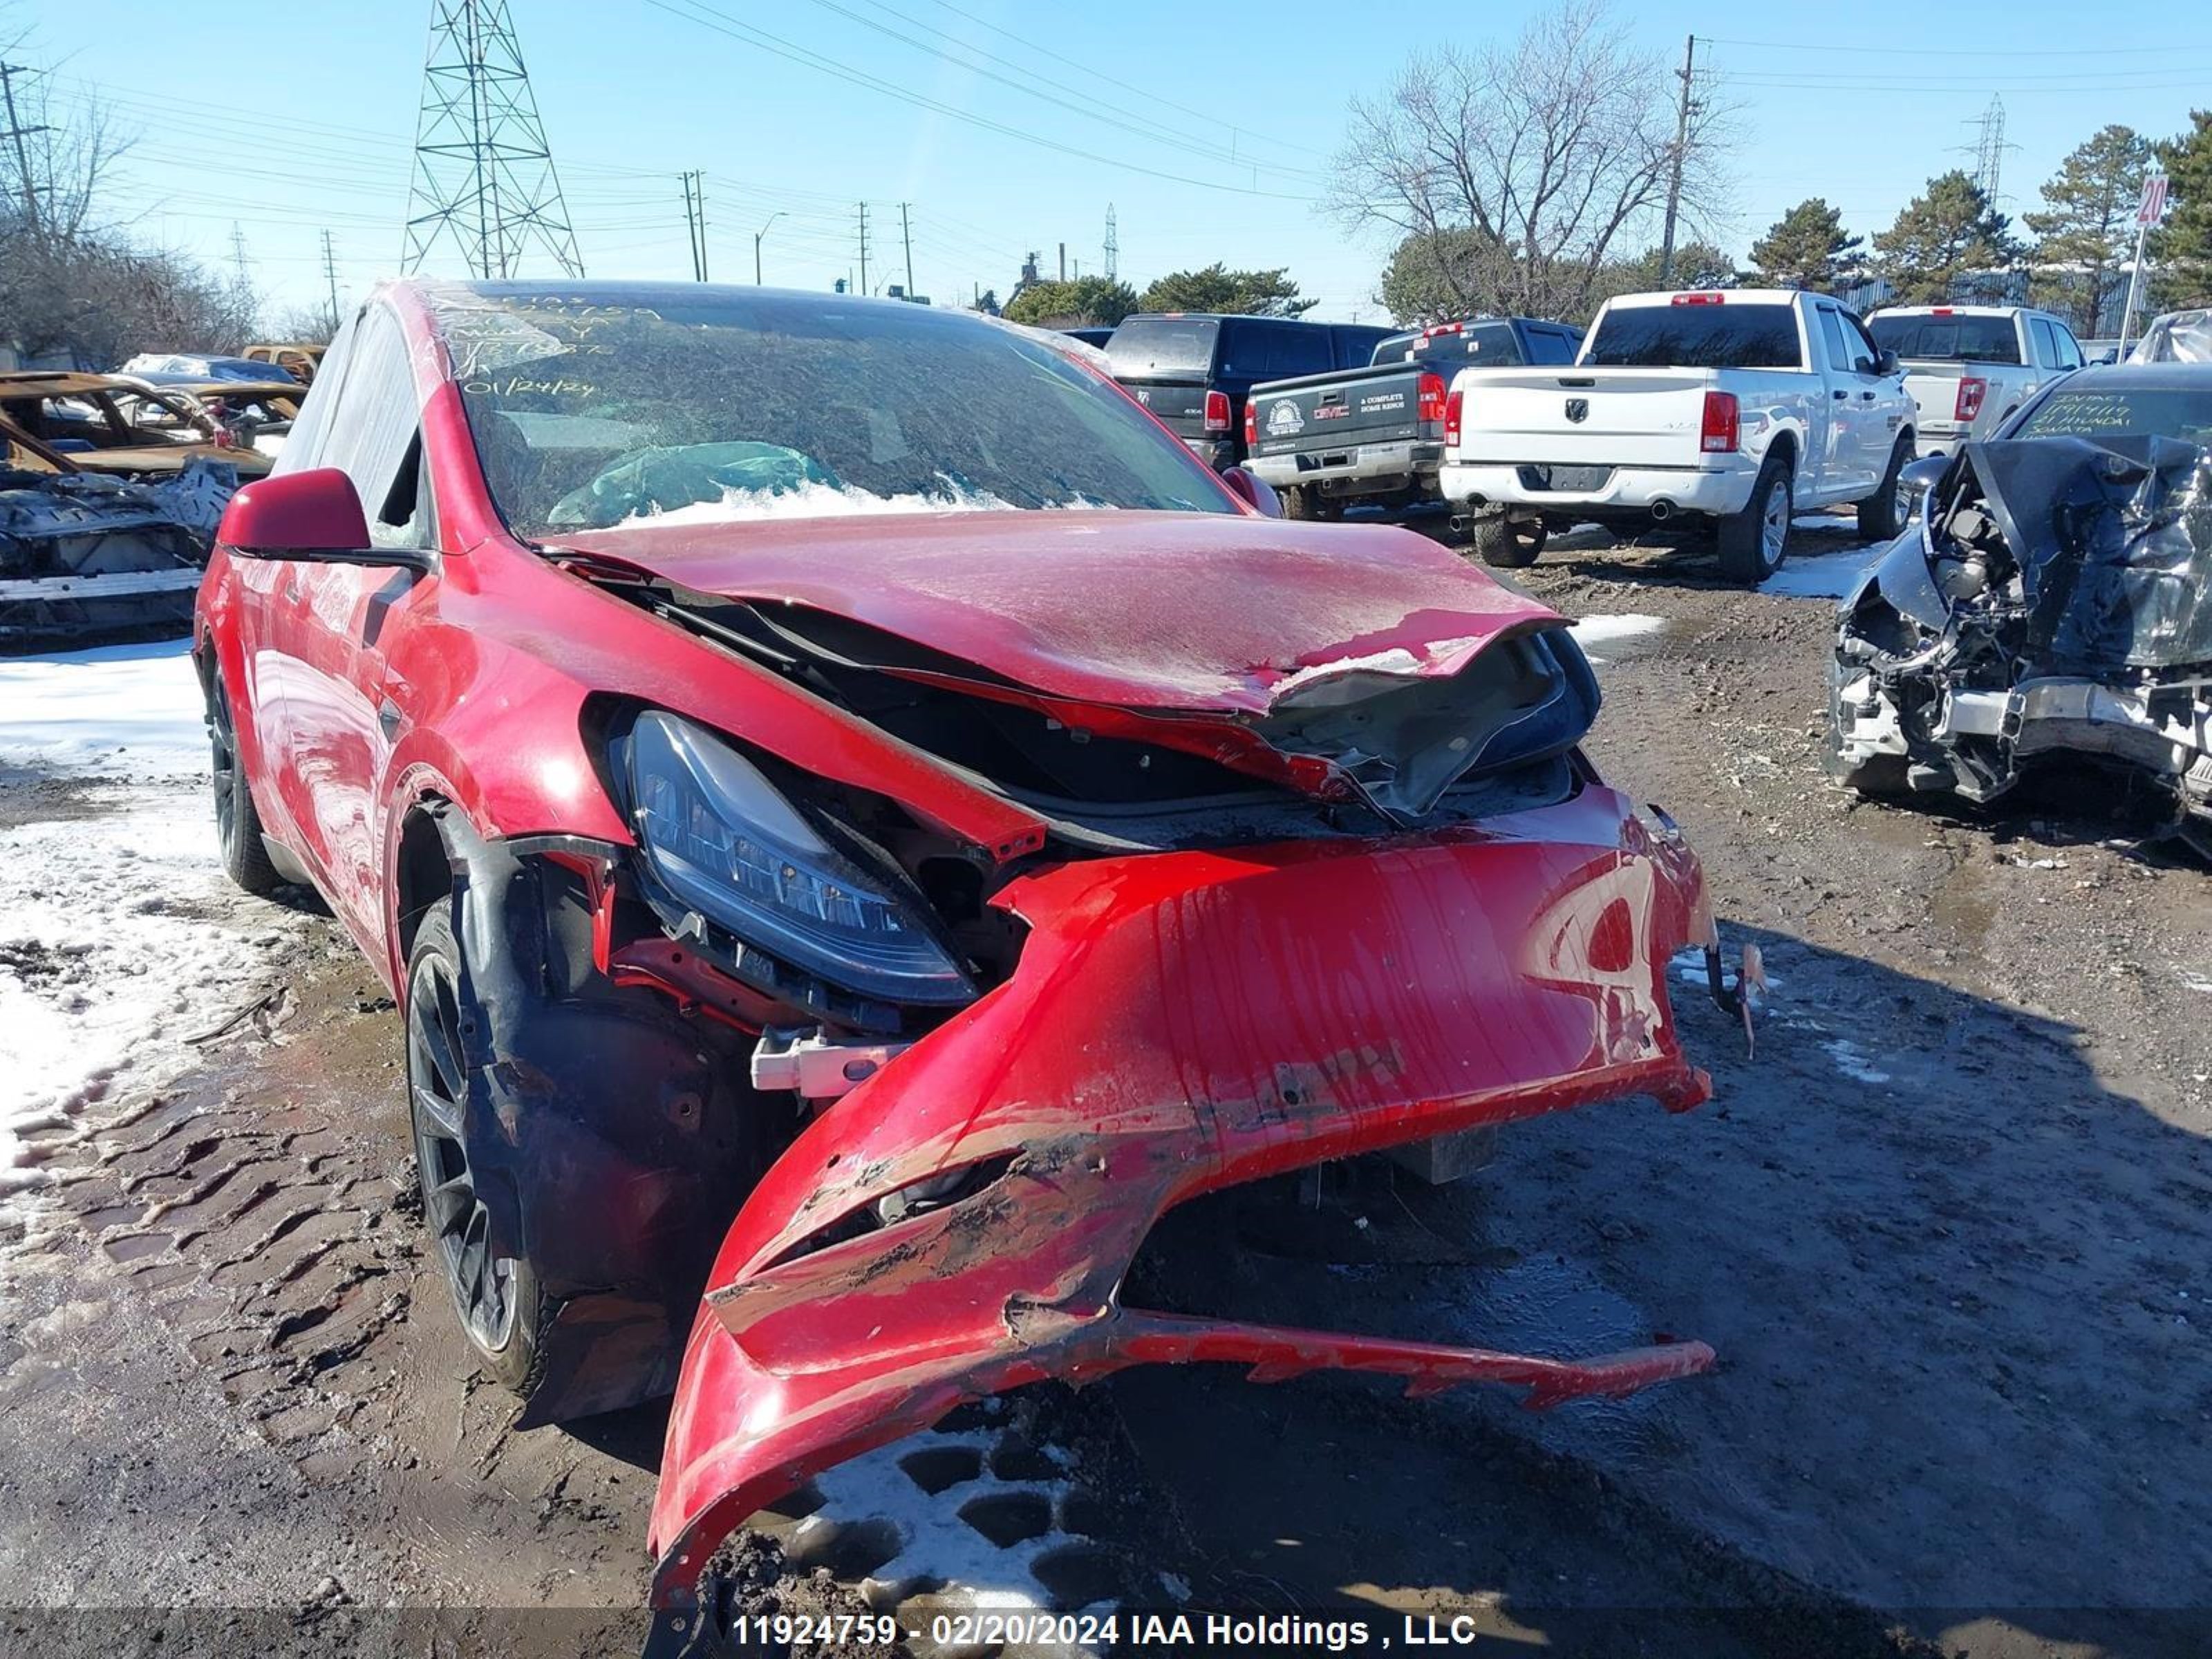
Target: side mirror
{"points": [[1254, 491], [1886, 364], [313, 517], [1920, 477]]}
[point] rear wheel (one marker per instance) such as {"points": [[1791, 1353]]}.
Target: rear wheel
{"points": [[1752, 544], [1304, 501], [237, 823], [1506, 543], [502, 1312], [1883, 515]]}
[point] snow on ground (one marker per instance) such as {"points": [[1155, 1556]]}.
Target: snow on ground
{"points": [[1821, 575], [1594, 634], [120, 936]]}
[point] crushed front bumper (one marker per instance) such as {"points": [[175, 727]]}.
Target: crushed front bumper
{"points": [[1178, 1023]]}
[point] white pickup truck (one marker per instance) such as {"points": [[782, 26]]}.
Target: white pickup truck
{"points": [[1738, 408], [1969, 366]]}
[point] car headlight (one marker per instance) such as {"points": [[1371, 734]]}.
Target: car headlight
{"points": [[720, 838]]}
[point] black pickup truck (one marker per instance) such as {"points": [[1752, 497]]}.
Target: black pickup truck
{"points": [[1195, 370], [1376, 434]]}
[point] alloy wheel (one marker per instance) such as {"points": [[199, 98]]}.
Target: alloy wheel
{"points": [[483, 1284], [222, 740], [1774, 524]]}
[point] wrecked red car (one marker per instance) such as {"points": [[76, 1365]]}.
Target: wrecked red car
{"points": [[859, 824]]}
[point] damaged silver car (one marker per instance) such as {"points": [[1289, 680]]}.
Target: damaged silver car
{"points": [[2051, 602]]}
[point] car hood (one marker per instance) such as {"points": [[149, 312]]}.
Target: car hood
{"points": [[1163, 612]]}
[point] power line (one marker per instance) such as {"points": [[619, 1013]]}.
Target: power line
{"points": [[1825, 47], [484, 175]]}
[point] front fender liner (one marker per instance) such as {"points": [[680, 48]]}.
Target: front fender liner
{"points": [[1178, 1023]]}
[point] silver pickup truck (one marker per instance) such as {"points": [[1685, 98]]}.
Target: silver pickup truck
{"points": [[1376, 434], [1968, 367]]}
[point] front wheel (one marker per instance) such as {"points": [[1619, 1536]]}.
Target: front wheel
{"points": [[1752, 542], [1506, 543], [502, 1310], [1884, 515]]}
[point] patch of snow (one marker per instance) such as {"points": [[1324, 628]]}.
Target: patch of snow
{"points": [[821, 501], [1592, 633], [1824, 576], [1398, 660], [120, 710], [934, 1541], [1689, 966], [119, 935], [1853, 1061]]}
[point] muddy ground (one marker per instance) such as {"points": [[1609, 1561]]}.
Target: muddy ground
{"points": [[1950, 1229]]}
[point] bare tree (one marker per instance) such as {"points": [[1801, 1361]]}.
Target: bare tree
{"points": [[1512, 171], [69, 151]]}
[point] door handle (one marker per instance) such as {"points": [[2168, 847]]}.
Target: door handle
{"points": [[1869, 396], [1840, 394]]}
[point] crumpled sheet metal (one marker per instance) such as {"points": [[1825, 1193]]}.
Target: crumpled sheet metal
{"points": [[2114, 542], [1178, 1023]]}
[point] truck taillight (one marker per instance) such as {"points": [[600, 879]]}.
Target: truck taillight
{"points": [[1453, 405], [1698, 299], [1723, 423], [1217, 411], [1972, 388], [1431, 398], [1251, 422]]}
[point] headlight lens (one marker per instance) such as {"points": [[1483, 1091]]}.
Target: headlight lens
{"points": [[721, 839]]}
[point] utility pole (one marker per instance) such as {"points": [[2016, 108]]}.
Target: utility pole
{"points": [[1674, 166], [757, 235], [864, 248], [906, 236], [695, 219], [19, 133], [483, 178], [1113, 245], [1063, 262], [330, 275]]}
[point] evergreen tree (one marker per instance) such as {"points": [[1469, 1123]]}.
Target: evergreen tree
{"points": [[1807, 247], [2182, 248], [1244, 292], [1949, 230], [2088, 222]]}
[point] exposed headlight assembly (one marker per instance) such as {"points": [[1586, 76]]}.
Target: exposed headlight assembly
{"points": [[719, 838]]}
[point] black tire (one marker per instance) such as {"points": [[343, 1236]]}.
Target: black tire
{"points": [[1753, 544], [1297, 503], [503, 1312], [1506, 543], [1884, 515], [237, 821]]}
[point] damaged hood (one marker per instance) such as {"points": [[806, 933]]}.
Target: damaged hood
{"points": [[2113, 542], [1194, 612]]}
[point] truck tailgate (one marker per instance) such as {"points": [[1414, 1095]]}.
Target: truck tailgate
{"points": [[1592, 416], [1180, 403], [1377, 404], [1933, 389]]}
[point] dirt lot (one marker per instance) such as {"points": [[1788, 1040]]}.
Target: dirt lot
{"points": [[1950, 1229]]}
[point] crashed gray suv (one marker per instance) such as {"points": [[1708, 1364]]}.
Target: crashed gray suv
{"points": [[2052, 598]]}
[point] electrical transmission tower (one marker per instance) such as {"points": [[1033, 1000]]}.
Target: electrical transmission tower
{"points": [[238, 255], [484, 181], [1113, 244], [1989, 153]]}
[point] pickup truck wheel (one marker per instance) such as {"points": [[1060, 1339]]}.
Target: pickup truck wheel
{"points": [[1297, 503], [237, 823], [1506, 543], [1884, 515], [1752, 542], [502, 1312]]}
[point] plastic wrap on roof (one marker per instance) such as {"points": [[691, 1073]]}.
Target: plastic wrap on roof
{"points": [[2179, 336]]}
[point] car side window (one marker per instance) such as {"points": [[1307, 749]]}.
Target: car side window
{"points": [[1550, 345], [1865, 357], [2046, 342], [1298, 349], [375, 433], [1832, 330], [2069, 349]]}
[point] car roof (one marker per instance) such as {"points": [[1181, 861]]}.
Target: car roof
{"points": [[2140, 377], [59, 383], [1957, 311], [1762, 296]]}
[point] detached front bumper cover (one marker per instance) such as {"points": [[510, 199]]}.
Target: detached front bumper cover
{"points": [[1179, 1023]]}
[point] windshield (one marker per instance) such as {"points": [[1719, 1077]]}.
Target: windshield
{"points": [[1482, 345], [596, 409], [1164, 345], [1947, 339], [1696, 337], [2087, 411]]}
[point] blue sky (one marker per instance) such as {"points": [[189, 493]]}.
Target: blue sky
{"points": [[287, 120]]}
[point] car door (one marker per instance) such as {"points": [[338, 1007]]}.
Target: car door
{"points": [[1842, 437], [1881, 404], [339, 717]]}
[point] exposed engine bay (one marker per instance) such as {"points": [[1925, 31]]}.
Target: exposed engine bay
{"points": [[2054, 604]]}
